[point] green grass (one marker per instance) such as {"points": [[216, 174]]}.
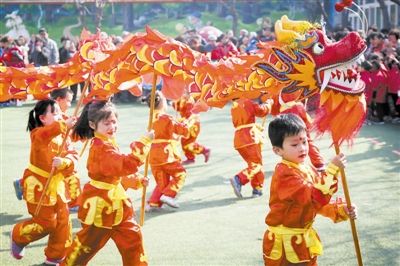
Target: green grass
{"points": [[212, 227]]}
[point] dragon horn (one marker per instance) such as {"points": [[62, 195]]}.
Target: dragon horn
{"points": [[286, 36], [300, 27]]}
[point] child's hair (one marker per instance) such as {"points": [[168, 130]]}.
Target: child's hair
{"points": [[62, 93], [157, 100], [39, 109], [366, 65], [283, 126], [94, 112]]}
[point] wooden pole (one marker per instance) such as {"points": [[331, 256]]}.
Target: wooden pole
{"points": [[40, 203], [146, 165], [348, 203]]}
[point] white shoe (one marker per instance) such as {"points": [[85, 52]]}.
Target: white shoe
{"points": [[169, 201], [149, 208]]}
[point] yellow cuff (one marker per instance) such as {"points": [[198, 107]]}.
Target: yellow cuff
{"points": [[145, 140], [332, 169]]}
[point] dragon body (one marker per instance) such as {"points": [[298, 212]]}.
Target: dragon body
{"points": [[301, 63]]}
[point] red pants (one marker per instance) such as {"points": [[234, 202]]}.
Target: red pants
{"points": [[169, 178], [192, 149], [51, 220], [90, 239], [283, 262], [253, 173]]}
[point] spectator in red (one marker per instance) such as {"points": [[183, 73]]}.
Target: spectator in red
{"points": [[12, 56], [394, 87], [379, 86], [224, 49], [365, 74]]}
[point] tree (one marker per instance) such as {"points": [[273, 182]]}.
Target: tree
{"points": [[231, 7], [128, 17], [385, 14]]}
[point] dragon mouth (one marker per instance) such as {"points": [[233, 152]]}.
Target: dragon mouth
{"points": [[342, 77]]}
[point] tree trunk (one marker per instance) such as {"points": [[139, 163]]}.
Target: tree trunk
{"points": [[385, 14], [235, 18], [128, 17], [99, 16]]}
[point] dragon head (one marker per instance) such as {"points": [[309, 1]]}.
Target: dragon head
{"points": [[301, 63]]}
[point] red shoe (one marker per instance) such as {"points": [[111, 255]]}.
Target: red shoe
{"points": [[206, 154], [188, 161]]}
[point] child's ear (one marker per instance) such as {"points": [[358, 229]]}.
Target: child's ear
{"points": [[41, 118], [92, 125], [277, 150]]}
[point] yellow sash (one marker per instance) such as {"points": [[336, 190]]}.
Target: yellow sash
{"points": [[285, 234], [116, 193], [55, 186]]}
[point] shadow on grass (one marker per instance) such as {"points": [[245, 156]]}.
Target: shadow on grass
{"points": [[9, 219]]}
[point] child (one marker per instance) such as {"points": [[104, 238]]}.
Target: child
{"points": [[53, 218], [63, 97], [164, 160], [105, 211], [189, 145], [297, 194], [248, 140]]}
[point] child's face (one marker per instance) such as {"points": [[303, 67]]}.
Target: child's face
{"points": [[49, 117], [294, 148], [65, 103], [107, 127]]}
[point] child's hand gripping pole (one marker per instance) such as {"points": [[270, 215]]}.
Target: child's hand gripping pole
{"points": [[149, 127], [53, 169]]}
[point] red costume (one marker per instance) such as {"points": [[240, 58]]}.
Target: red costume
{"points": [[106, 211], [189, 145], [248, 139], [298, 194], [164, 159], [53, 217]]}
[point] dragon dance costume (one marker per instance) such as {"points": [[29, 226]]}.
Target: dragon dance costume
{"points": [[106, 211], [53, 217], [298, 194], [165, 162], [248, 140], [189, 145]]}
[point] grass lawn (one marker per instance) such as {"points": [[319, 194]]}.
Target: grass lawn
{"points": [[212, 227]]}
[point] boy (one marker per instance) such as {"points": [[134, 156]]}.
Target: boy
{"points": [[298, 193]]}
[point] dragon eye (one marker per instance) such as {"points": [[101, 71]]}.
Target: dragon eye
{"points": [[318, 48]]}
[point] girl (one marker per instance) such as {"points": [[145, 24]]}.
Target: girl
{"points": [[53, 218], [63, 97], [164, 161], [105, 210]]}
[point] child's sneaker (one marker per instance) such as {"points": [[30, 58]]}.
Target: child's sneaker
{"points": [[169, 201], [206, 154], [18, 189], [49, 261], [237, 187], [257, 193], [16, 251], [188, 161]]}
